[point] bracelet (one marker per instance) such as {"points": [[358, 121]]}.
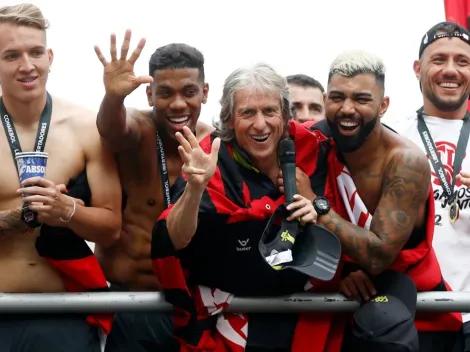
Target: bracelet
{"points": [[73, 212]]}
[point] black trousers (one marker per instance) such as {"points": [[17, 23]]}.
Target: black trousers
{"points": [[141, 331], [47, 333]]}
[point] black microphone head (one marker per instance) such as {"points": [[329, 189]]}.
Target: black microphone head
{"points": [[286, 151]]}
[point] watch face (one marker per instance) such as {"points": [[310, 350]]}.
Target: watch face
{"points": [[322, 204]]}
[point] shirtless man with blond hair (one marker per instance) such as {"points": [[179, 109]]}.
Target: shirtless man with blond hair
{"points": [[149, 163], [74, 147]]}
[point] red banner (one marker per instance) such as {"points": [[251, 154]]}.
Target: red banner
{"points": [[458, 11]]}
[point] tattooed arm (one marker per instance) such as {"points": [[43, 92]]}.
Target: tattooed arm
{"points": [[405, 189], [11, 224]]}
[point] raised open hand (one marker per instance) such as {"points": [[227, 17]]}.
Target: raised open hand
{"points": [[198, 166], [119, 78]]}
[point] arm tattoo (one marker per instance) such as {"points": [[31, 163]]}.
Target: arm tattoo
{"points": [[405, 190], [11, 224]]}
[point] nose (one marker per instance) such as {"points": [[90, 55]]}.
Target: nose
{"points": [[303, 114], [178, 103], [450, 68], [259, 122], [347, 108], [26, 65]]}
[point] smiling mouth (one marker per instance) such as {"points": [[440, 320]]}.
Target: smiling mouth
{"points": [[449, 85], [178, 120], [27, 80], [348, 125], [261, 138]]}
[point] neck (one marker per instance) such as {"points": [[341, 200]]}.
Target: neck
{"points": [[170, 146], [24, 113], [268, 166], [431, 110], [371, 150]]}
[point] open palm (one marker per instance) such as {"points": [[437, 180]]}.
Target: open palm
{"points": [[198, 166], [119, 78]]}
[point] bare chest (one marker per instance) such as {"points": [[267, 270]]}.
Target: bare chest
{"points": [[369, 188], [141, 172]]}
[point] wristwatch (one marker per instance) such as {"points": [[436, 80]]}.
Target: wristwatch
{"points": [[321, 205]]}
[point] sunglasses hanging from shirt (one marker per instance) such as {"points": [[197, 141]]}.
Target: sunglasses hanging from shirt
{"points": [[431, 150]]}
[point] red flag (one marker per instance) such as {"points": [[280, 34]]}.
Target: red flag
{"points": [[458, 11]]}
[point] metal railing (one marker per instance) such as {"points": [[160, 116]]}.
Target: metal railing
{"points": [[154, 301]]}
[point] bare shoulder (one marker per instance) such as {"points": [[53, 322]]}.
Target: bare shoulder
{"points": [[67, 112], [407, 168], [203, 130]]}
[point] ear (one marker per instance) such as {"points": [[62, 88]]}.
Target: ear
{"points": [[417, 69], [205, 92], [384, 106], [324, 97], [50, 54], [148, 90]]}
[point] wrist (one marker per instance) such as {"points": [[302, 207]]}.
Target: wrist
{"points": [[194, 191], [69, 211]]}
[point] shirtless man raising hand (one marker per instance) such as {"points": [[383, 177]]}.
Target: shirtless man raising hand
{"points": [[148, 159]]}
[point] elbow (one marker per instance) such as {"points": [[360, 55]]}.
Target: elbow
{"points": [[379, 262], [112, 234], [110, 238]]}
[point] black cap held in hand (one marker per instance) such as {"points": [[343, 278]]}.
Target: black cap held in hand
{"points": [[437, 32]]}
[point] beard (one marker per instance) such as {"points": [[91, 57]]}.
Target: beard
{"points": [[349, 144], [444, 105]]}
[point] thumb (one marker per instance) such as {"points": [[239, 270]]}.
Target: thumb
{"points": [[464, 174], [62, 188], [215, 149], [143, 80]]}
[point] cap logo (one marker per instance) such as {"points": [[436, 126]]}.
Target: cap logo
{"points": [[425, 41], [380, 299]]}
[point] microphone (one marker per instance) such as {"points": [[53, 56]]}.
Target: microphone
{"points": [[286, 153]]}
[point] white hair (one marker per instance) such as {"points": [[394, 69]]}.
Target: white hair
{"points": [[260, 78], [355, 62]]}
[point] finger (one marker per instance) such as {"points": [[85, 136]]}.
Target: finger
{"points": [[113, 49], [37, 181], [280, 182], [191, 170], [299, 197], [215, 149], [281, 189], [280, 173], [62, 188], [352, 288], [34, 190], [191, 138], [184, 156], [298, 203], [125, 44], [363, 289], [368, 284], [465, 174], [299, 213], [41, 208], [344, 289], [309, 218], [142, 80], [136, 53], [38, 199], [465, 181], [78, 201], [183, 142], [100, 55]]}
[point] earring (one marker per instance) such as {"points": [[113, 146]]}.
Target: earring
{"points": [[49, 70]]}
